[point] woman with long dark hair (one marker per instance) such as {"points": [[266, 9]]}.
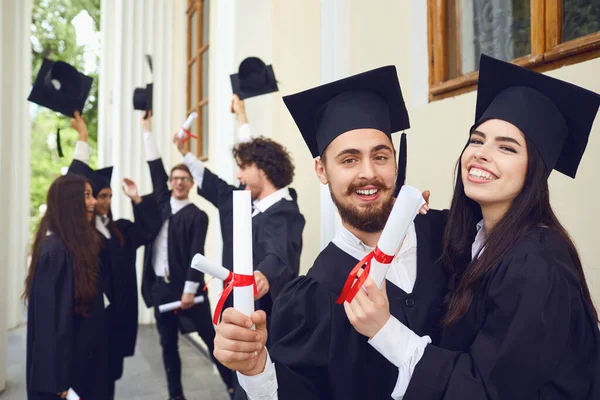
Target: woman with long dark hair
{"points": [[520, 322], [66, 344], [120, 239]]}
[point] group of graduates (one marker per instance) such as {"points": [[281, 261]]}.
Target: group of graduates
{"points": [[82, 288], [485, 300]]}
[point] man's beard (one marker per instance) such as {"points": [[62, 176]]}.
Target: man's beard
{"points": [[368, 219]]}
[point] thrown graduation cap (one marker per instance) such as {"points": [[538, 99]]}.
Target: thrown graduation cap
{"points": [[372, 99], [142, 97], [254, 78], [60, 87], [554, 115], [99, 179]]}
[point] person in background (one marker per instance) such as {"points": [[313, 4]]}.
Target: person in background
{"points": [[121, 239], [168, 276]]}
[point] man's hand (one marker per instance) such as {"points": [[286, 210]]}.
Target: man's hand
{"points": [[262, 284], [130, 189], [368, 312], [147, 122], [239, 109], [180, 143], [63, 395], [78, 123], [425, 207], [238, 346], [187, 301]]}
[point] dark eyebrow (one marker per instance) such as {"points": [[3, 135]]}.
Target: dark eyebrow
{"points": [[348, 151], [381, 147], [498, 138]]}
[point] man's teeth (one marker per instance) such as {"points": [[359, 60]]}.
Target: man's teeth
{"points": [[367, 192], [479, 173]]}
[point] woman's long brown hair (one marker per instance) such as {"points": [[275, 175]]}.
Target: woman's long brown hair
{"points": [[529, 210], [66, 217]]}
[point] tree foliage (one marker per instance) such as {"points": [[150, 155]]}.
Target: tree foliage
{"points": [[53, 36]]}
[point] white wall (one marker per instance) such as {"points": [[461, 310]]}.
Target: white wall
{"points": [[15, 130]]}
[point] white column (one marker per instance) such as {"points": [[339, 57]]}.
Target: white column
{"points": [[130, 30], [15, 129], [335, 64]]}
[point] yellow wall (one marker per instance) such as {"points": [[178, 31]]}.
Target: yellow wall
{"points": [[296, 56]]}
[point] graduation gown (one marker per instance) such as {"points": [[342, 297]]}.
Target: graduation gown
{"points": [[316, 351], [186, 237], [118, 266], [64, 350], [529, 334], [276, 236]]}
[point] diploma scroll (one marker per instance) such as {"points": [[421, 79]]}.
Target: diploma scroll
{"points": [[187, 125], [204, 265], [71, 395], [377, 263], [163, 308], [243, 296]]}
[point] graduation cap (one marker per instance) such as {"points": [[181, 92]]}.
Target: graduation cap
{"points": [[372, 99], [142, 97], [254, 78], [554, 115], [99, 179], [61, 88]]}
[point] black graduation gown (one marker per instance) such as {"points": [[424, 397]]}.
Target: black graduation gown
{"points": [[316, 351], [529, 334], [276, 236], [119, 272], [63, 350], [187, 234]]}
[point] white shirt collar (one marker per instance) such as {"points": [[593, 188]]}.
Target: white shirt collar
{"points": [[477, 247], [177, 205], [352, 245], [102, 225], [264, 204]]}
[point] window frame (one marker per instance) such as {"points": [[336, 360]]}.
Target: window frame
{"points": [[547, 51], [194, 60]]}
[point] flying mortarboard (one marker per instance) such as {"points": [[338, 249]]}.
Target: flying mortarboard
{"points": [[254, 78]]}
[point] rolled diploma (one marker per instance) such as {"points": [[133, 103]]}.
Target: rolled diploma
{"points": [[403, 213], [71, 395], [177, 304], [203, 264], [187, 124], [243, 297]]}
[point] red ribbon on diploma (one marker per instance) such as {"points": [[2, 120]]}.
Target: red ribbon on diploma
{"points": [[354, 283], [233, 280], [188, 134]]}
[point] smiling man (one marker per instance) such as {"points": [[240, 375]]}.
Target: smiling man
{"points": [[167, 273], [314, 352]]}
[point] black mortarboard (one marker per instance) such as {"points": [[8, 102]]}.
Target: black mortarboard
{"points": [[372, 99], [142, 97], [554, 115], [99, 179], [60, 87], [254, 78]]}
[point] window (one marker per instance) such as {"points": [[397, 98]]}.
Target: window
{"points": [[537, 34], [197, 74]]}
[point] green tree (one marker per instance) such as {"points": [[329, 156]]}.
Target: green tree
{"points": [[53, 36]]}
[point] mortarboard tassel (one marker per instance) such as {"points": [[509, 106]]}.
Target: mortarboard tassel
{"points": [[58, 146], [401, 165]]}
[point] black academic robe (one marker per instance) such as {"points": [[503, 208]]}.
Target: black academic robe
{"points": [[118, 261], [316, 351], [276, 236], [529, 334], [64, 350], [186, 237]]}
